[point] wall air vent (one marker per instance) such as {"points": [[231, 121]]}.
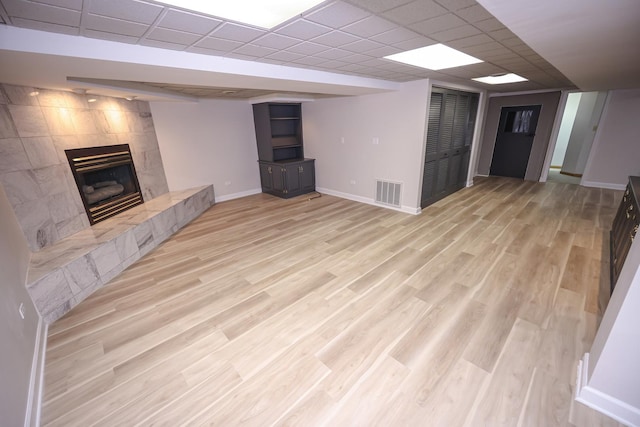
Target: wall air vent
{"points": [[388, 193]]}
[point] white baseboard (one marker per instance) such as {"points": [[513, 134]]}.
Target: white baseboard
{"points": [[237, 195], [606, 185], [36, 382], [353, 197], [602, 402]]}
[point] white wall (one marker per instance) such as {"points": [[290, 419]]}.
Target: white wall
{"points": [[19, 337], [568, 117], [610, 380], [208, 142], [615, 152], [339, 133]]}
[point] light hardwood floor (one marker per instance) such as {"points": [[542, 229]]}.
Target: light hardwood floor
{"points": [[302, 312]]}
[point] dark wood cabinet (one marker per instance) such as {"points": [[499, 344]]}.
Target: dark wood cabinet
{"points": [[288, 179], [284, 171], [624, 228]]}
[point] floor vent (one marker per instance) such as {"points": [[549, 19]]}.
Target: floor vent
{"points": [[388, 193]]}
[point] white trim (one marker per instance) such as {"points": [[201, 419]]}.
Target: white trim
{"points": [[606, 185], [601, 402], [406, 209], [226, 197], [36, 382]]}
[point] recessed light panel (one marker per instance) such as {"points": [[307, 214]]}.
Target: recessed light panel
{"points": [[434, 57], [501, 79], [260, 13]]}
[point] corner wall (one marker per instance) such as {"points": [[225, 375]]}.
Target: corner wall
{"points": [[615, 153], [339, 133], [19, 337], [208, 142], [34, 170]]}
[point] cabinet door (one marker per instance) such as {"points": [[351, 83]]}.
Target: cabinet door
{"points": [[266, 177], [292, 178], [279, 183], [307, 176]]}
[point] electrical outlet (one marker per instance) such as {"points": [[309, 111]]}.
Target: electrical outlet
{"points": [[353, 182], [376, 140], [227, 183], [342, 140], [21, 310]]}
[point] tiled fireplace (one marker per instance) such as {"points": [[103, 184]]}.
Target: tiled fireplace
{"points": [[112, 147], [35, 131]]}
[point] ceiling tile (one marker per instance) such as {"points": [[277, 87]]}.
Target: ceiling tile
{"points": [[333, 54], [240, 56], [204, 51], [217, 44], [491, 24], [482, 47], [113, 25], [109, 36], [369, 26], [470, 41], [303, 30], [474, 13], [188, 22], [396, 35], [332, 64], [337, 15], [307, 48], [163, 44], [235, 32], [45, 26], [415, 43], [335, 39], [309, 60], [379, 5], [275, 41], [171, 36], [415, 11], [440, 23], [455, 33], [454, 5], [354, 68], [383, 51], [502, 34], [68, 4], [355, 58], [252, 50], [130, 10], [285, 56], [42, 12], [362, 45]]}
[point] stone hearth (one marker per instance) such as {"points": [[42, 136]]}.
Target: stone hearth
{"points": [[65, 273]]}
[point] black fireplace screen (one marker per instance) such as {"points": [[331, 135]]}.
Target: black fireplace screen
{"points": [[106, 179]]}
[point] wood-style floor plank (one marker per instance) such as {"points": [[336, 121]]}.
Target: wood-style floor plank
{"points": [[329, 312]]}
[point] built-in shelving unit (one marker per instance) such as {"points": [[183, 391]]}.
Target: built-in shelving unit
{"points": [[284, 171]]}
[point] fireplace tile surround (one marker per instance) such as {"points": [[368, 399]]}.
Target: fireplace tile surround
{"points": [[35, 131]]}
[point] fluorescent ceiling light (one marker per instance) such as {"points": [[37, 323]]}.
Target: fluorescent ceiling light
{"points": [[260, 13], [434, 57], [501, 79]]}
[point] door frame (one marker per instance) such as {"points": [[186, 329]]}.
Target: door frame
{"points": [[477, 132], [555, 131]]}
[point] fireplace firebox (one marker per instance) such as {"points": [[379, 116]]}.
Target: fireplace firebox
{"points": [[106, 179]]}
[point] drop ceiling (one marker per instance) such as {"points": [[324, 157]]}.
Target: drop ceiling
{"points": [[338, 37]]}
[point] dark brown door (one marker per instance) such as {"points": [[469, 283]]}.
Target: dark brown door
{"points": [[516, 131]]}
